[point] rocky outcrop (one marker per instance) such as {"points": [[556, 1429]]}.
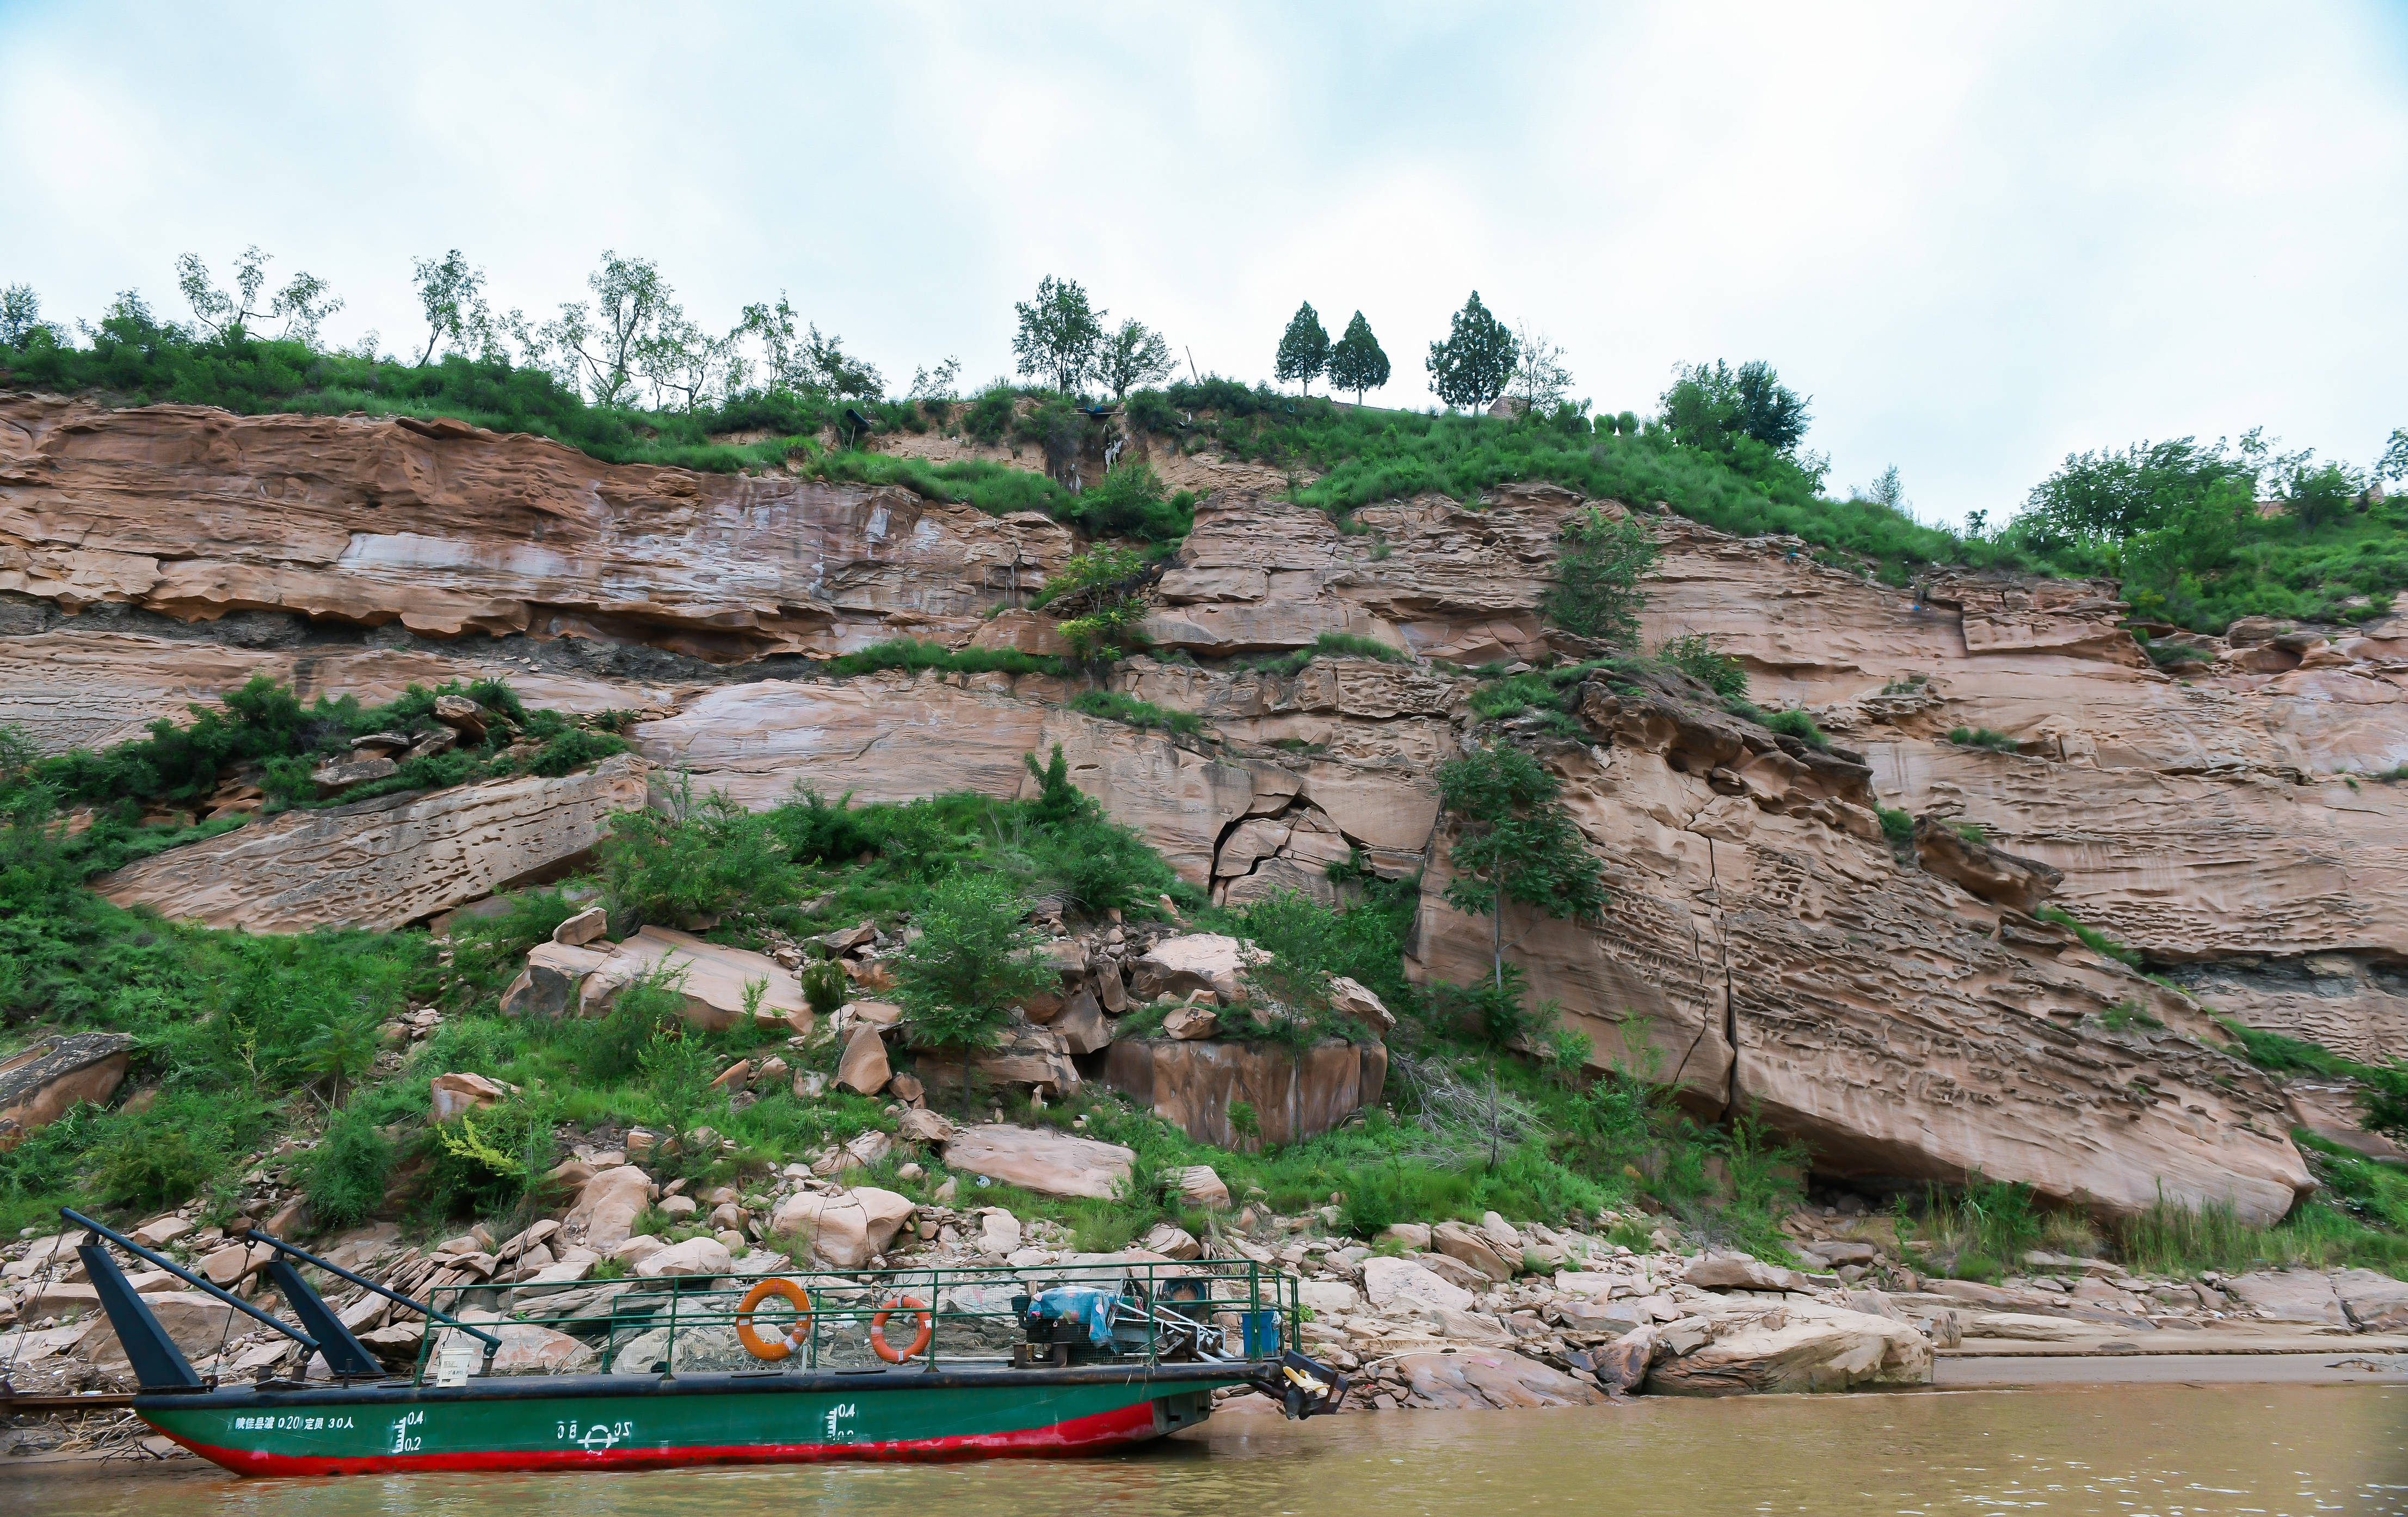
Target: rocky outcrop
{"points": [[447, 529], [1429, 576], [386, 863], [1774, 955], [1294, 1094], [41, 1084], [75, 687], [894, 738]]}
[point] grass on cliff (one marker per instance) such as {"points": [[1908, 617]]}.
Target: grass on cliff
{"points": [[262, 733]]}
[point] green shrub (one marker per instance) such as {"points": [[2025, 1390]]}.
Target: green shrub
{"points": [[1130, 500], [1898, 828], [2093, 939], [1795, 723], [346, 1173], [975, 956], [1112, 706], [1982, 737], [484, 1162], [694, 859], [1693, 654], [1595, 593]]}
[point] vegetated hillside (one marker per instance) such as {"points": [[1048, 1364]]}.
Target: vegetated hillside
{"points": [[1278, 682], [2179, 521]]}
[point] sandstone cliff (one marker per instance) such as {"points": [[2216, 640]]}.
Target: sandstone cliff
{"points": [[1765, 945]]}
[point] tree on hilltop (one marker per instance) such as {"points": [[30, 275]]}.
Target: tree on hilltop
{"points": [[305, 301], [1303, 349], [1475, 363], [452, 295], [1059, 333], [1540, 377], [1132, 357], [1358, 363], [1710, 403]]}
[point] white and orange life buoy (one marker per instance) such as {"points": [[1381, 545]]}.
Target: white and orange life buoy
{"points": [[773, 1349]]}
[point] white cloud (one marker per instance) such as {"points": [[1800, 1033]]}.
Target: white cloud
{"points": [[1980, 239]]}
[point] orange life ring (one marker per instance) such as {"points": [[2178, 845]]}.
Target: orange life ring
{"points": [[755, 1344], [877, 1329]]}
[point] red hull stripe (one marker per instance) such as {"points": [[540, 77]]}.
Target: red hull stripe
{"points": [[1080, 1435]]}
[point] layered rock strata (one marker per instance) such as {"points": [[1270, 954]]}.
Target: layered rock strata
{"points": [[382, 863], [446, 529]]}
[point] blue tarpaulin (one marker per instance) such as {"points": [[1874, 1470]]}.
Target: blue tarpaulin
{"points": [[1079, 1304]]}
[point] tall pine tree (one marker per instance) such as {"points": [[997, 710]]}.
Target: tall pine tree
{"points": [[1358, 363], [1304, 352], [1475, 363]]}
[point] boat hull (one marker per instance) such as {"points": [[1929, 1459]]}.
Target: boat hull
{"points": [[604, 1422]]}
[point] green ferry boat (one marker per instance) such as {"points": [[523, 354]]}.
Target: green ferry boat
{"points": [[794, 1367]]}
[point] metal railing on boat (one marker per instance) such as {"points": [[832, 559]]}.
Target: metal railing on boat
{"points": [[1095, 1310]]}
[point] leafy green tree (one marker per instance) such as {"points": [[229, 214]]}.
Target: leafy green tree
{"points": [[304, 302], [1708, 405], [1358, 363], [1475, 363], [2393, 465], [2189, 495], [796, 362], [1134, 355], [975, 955], [1596, 592], [452, 295], [20, 318], [1303, 349], [601, 346], [1515, 841], [1059, 333]]}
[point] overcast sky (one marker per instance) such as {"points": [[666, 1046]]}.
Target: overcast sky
{"points": [[1978, 236]]}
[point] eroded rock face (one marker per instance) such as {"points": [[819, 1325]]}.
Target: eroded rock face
{"points": [[894, 738], [1295, 1095], [1894, 1022], [447, 529], [381, 863]]}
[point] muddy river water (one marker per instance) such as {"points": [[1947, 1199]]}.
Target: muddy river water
{"points": [[2123, 1449]]}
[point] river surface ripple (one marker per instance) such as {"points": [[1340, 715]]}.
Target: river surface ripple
{"points": [[2129, 1450]]}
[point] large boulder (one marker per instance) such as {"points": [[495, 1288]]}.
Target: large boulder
{"points": [[847, 1230], [1489, 1379], [607, 1208], [39, 1085], [381, 863], [1798, 1347], [864, 1068], [714, 979], [1737, 1272], [696, 1258], [1044, 1160], [2289, 1295], [1400, 1283], [1029, 1056], [2375, 1303], [1195, 961], [456, 1094], [1466, 1247]]}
